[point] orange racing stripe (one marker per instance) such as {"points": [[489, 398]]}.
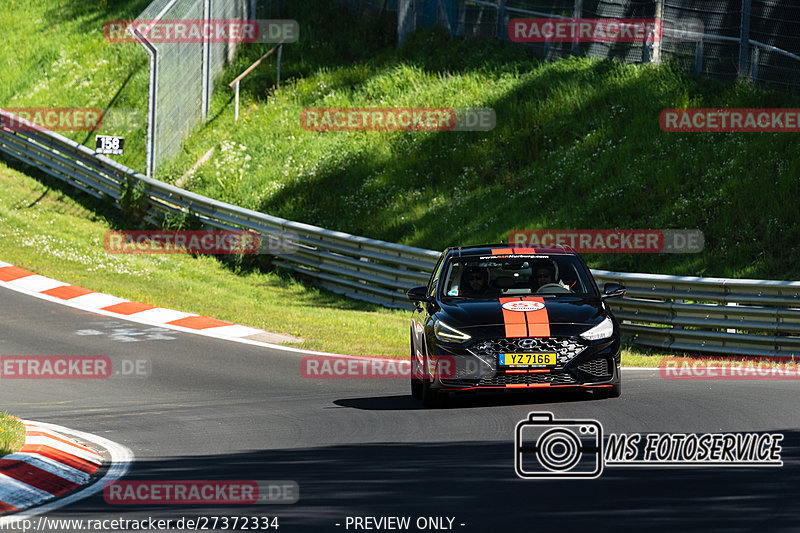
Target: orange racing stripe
{"points": [[514, 320], [502, 251], [526, 324], [538, 321]]}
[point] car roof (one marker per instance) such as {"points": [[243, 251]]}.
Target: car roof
{"points": [[509, 250]]}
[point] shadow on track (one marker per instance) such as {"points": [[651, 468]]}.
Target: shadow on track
{"points": [[475, 483], [467, 401]]}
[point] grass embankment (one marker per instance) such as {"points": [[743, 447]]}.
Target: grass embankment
{"points": [[54, 55], [12, 434], [577, 145]]}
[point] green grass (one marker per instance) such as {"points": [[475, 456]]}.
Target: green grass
{"points": [[48, 232], [12, 434], [577, 145], [54, 55]]}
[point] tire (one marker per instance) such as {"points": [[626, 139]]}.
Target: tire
{"points": [[416, 384], [434, 398], [615, 391], [416, 389], [431, 398]]}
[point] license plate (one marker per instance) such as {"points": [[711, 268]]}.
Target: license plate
{"points": [[527, 359]]}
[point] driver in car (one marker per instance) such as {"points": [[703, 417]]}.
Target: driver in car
{"points": [[543, 273], [476, 281]]}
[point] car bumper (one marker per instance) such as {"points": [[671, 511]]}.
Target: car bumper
{"points": [[468, 368]]}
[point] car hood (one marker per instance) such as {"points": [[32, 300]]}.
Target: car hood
{"points": [[562, 310]]}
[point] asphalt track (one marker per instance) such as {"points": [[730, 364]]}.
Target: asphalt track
{"points": [[213, 409]]}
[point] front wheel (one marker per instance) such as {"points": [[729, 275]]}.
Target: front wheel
{"points": [[431, 398], [416, 383], [615, 391], [416, 389]]}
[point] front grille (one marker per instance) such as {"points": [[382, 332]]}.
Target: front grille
{"points": [[565, 348], [596, 367], [514, 379]]}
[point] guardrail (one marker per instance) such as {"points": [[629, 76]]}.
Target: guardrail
{"points": [[712, 315], [362, 268]]}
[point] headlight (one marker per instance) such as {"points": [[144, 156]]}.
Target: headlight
{"points": [[444, 332], [603, 330]]}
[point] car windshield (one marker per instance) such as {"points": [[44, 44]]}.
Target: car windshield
{"points": [[492, 277]]}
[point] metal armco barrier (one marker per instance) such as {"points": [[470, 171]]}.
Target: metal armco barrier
{"points": [[712, 315]]}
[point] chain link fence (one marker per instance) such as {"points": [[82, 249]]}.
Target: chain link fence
{"points": [[725, 39], [182, 73]]}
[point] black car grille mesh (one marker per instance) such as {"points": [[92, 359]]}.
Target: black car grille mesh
{"points": [[565, 348], [596, 367]]}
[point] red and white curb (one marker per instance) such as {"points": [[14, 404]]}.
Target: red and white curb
{"points": [[51, 464], [22, 280]]}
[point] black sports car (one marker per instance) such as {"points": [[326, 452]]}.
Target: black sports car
{"points": [[494, 317]]}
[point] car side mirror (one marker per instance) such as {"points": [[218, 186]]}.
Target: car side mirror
{"points": [[418, 295], [613, 290]]}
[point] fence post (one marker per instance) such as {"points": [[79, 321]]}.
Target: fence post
{"points": [[236, 104], [406, 19], [698, 56], [280, 53], [462, 17], [578, 13], [205, 66], [443, 16], [744, 39], [754, 64], [501, 15], [152, 103], [659, 35]]}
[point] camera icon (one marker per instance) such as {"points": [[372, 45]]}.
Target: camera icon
{"points": [[545, 448]]}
